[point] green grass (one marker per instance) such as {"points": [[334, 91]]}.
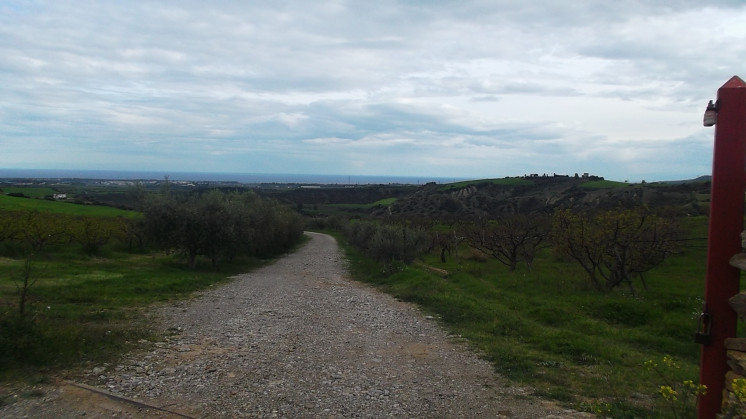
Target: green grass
{"points": [[33, 192], [549, 329], [603, 184], [508, 181], [86, 309], [381, 202], [12, 203]]}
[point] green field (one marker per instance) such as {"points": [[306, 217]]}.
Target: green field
{"points": [[32, 192], [89, 308], [11, 203], [603, 184], [548, 328], [509, 181], [381, 202]]}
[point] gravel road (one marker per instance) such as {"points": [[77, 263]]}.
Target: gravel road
{"points": [[296, 339]]}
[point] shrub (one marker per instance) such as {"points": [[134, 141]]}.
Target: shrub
{"points": [[220, 225], [387, 242]]}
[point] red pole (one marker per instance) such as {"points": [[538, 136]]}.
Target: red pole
{"points": [[726, 224]]}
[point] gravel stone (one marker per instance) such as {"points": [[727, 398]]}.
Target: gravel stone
{"points": [[296, 339]]}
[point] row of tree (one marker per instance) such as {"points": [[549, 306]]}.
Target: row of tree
{"points": [[220, 225], [612, 247], [214, 224]]}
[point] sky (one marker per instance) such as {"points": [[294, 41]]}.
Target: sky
{"points": [[463, 88]]}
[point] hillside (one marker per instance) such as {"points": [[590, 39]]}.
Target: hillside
{"points": [[490, 198], [496, 197], [545, 194]]}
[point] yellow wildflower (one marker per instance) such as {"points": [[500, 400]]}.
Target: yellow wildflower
{"points": [[668, 393], [739, 389], [669, 361]]}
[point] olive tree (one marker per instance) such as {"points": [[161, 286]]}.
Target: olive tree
{"points": [[219, 225], [388, 241]]}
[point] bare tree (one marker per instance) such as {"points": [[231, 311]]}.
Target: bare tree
{"points": [[615, 247], [511, 239]]}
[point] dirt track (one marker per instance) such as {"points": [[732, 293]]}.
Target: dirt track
{"points": [[294, 339]]}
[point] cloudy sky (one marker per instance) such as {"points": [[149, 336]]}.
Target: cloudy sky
{"points": [[475, 89]]}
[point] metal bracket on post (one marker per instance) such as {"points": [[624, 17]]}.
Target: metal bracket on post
{"points": [[703, 335], [711, 114]]}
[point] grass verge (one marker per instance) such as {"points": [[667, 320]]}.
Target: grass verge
{"points": [[548, 329], [89, 309]]}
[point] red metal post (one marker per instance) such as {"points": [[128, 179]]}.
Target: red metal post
{"points": [[726, 224]]}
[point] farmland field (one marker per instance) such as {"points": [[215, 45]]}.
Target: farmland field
{"points": [[12, 203]]}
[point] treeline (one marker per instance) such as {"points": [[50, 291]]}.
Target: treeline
{"points": [[614, 248], [220, 225], [213, 224], [388, 242], [57, 315]]}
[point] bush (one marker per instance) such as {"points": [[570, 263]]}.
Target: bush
{"points": [[21, 340], [387, 243], [220, 225]]}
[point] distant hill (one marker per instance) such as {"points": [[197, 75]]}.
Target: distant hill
{"points": [[705, 178], [485, 198], [492, 198]]}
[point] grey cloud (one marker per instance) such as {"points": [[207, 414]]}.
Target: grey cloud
{"points": [[258, 82]]}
